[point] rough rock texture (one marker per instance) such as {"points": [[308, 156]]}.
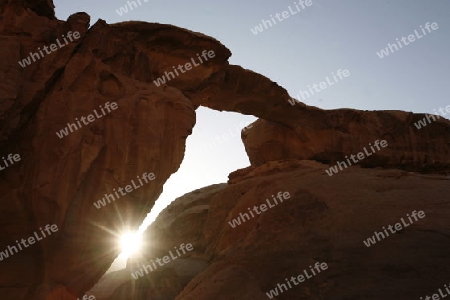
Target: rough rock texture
{"points": [[348, 132], [168, 281], [325, 220], [58, 179]]}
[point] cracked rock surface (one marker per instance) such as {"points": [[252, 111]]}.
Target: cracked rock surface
{"points": [[58, 179]]}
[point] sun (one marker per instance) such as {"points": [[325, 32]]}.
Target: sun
{"points": [[130, 243]]}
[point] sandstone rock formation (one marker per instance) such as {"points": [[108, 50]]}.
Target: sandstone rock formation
{"points": [[326, 219], [58, 179], [348, 132]]}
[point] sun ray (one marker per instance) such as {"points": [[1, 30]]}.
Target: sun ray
{"points": [[130, 243]]}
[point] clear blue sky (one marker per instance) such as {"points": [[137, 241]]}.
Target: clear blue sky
{"points": [[307, 47], [300, 51]]}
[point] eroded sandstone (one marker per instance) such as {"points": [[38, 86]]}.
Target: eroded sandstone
{"points": [[58, 179], [325, 220]]}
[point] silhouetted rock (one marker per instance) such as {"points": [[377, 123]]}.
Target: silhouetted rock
{"points": [[346, 132], [59, 178], [326, 219]]}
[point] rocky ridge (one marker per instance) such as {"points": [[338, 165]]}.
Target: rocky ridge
{"points": [[58, 179]]}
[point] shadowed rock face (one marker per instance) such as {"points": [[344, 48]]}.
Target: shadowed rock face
{"points": [[326, 219], [349, 132], [58, 179], [44, 8]]}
